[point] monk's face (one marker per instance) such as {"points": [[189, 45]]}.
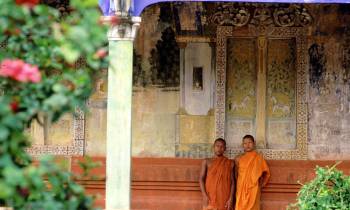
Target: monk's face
{"points": [[248, 145], [219, 148]]}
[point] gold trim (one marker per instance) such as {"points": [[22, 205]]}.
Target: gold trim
{"points": [[185, 39], [261, 93], [223, 32]]}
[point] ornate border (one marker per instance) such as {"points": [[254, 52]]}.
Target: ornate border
{"points": [[223, 33], [77, 147]]}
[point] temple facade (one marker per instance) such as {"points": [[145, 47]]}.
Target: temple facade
{"points": [[202, 70]]}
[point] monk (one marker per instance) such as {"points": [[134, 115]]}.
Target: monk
{"points": [[217, 179], [252, 173]]}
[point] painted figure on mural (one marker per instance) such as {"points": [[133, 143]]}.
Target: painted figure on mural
{"points": [[252, 174], [217, 179]]}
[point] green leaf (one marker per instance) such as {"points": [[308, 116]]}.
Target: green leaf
{"points": [[4, 133], [6, 190], [58, 88], [55, 102], [84, 3], [12, 122], [70, 54]]}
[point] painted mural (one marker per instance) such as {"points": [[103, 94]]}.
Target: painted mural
{"points": [[240, 89], [329, 99], [59, 133], [195, 136], [157, 92], [317, 65], [165, 60], [281, 86], [346, 54], [156, 61]]}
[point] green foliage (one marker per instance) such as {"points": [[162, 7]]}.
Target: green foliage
{"points": [[27, 189], [40, 36], [330, 190], [12, 139], [87, 165]]}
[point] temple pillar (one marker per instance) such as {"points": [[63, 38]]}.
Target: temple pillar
{"points": [[118, 153]]}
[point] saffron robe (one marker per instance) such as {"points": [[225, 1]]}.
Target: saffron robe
{"points": [[251, 167], [218, 183]]}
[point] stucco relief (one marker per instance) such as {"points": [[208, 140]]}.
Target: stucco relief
{"points": [[242, 14]]}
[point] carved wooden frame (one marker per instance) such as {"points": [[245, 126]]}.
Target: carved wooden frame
{"points": [[77, 146], [225, 32]]}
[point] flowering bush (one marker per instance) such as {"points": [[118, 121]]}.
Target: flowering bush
{"points": [[47, 66], [329, 190]]}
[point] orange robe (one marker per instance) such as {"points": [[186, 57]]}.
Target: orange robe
{"points": [[251, 167], [218, 183]]}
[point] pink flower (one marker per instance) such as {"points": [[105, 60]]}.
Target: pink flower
{"points": [[29, 73], [20, 71], [101, 53], [9, 68], [28, 3]]}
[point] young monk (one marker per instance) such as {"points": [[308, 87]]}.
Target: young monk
{"points": [[252, 174], [217, 179]]}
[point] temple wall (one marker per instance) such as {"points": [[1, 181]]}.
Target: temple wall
{"points": [[198, 96], [173, 119], [154, 122], [329, 93]]}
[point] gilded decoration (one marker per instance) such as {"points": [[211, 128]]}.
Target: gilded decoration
{"points": [[240, 88], [226, 14], [209, 15], [242, 14], [294, 35], [281, 77]]}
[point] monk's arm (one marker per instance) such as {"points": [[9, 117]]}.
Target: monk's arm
{"points": [[265, 175], [264, 179], [202, 178]]}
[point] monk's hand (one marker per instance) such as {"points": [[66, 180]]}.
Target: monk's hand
{"points": [[229, 204], [261, 182], [205, 200]]}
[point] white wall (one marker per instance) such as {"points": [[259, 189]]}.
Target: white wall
{"points": [[197, 55]]}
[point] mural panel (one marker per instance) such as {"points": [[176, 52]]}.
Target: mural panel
{"points": [[240, 89], [293, 41], [281, 86]]}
